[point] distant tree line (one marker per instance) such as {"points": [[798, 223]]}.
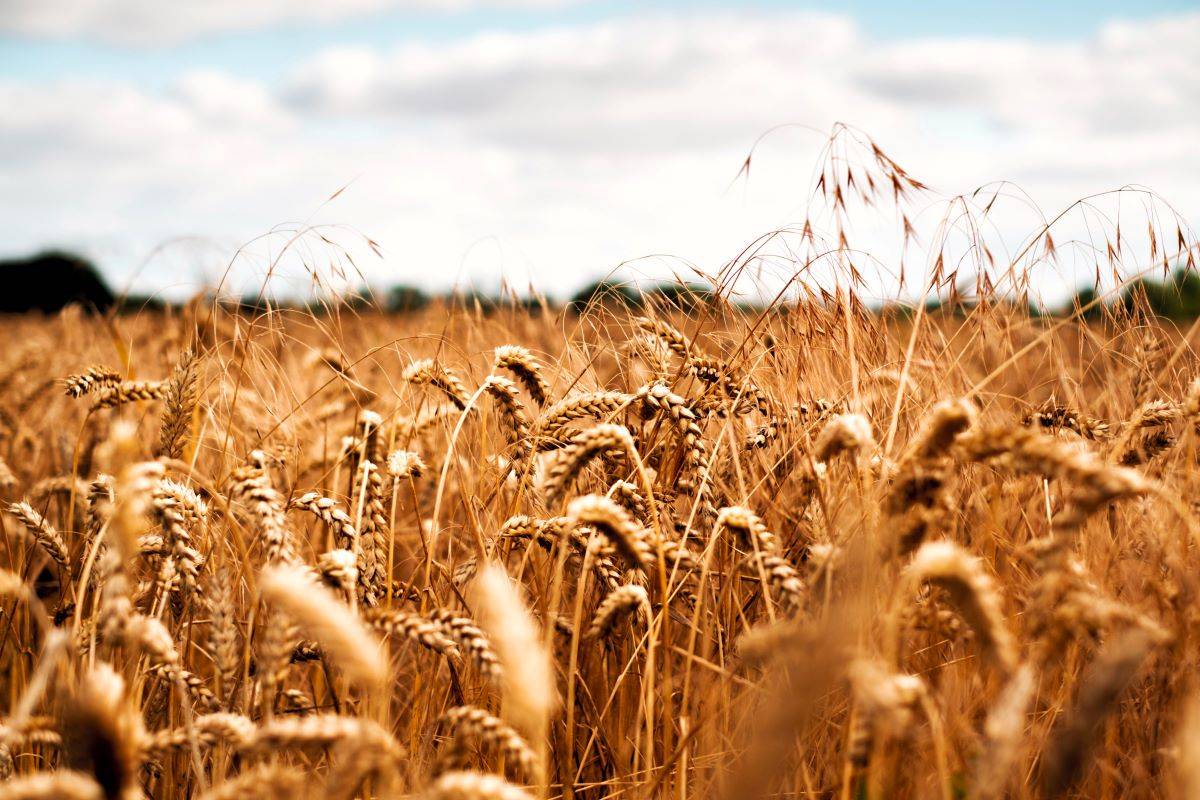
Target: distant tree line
{"points": [[52, 280]]}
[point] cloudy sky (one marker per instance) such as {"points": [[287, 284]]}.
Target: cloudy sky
{"points": [[546, 142]]}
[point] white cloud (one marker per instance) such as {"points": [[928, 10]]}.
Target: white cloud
{"points": [[1130, 76], [579, 147], [711, 79], [635, 84], [160, 22]]}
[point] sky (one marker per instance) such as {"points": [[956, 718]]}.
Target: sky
{"points": [[546, 143]]}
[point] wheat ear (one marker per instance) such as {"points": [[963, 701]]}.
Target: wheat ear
{"points": [[468, 636], [974, 595], [469, 723], [530, 692], [49, 539], [328, 621], [582, 449], [180, 396], [1071, 743], [59, 785], [464, 785], [425, 632], [622, 602], [527, 369], [260, 782], [844, 433], [250, 486], [615, 524], [90, 380], [426, 372]]}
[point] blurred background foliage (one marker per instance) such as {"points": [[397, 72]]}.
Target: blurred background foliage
{"points": [[50, 280]]}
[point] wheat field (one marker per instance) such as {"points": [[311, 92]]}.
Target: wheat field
{"points": [[723, 554], [694, 550]]}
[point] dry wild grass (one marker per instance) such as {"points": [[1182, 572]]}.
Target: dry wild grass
{"points": [[810, 552]]}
